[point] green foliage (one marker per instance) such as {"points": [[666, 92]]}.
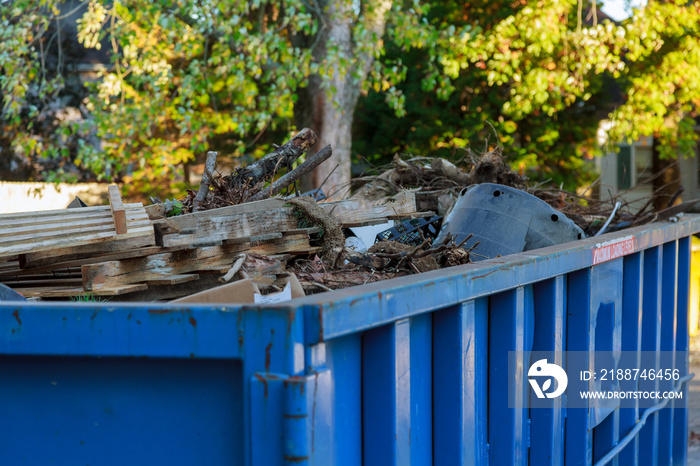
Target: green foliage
{"points": [[191, 76], [186, 77], [35, 133], [541, 77], [173, 207], [88, 298], [661, 79]]}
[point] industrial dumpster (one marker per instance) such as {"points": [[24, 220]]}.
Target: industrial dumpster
{"points": [[416, 370]]}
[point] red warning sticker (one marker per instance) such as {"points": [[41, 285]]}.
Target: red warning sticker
{"points": [[613, 249]]}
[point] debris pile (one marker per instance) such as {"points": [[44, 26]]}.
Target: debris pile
{"points": [[238, 228], [70, 253], [438, 184], [235, 230]]}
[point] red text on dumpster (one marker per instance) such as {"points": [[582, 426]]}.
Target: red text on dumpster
{"points": [[613, 249]]}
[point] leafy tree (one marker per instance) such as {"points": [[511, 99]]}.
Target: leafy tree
{"points": [[661, 76], [37, 138], [194, 75], [544, 77], [188, 76]]}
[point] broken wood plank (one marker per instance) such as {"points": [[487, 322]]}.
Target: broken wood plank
{"points": [[71, 216], [118, 212], [75, 292], [141, 246], [114, 273], [216, 269], [237, 223], [190, 221], [365, 223], [62, 229], [5, 260], [351, 212], [215, 258], [60, 267], [174, 279], [156, 293], [310, 231], [291, 242], [308, 252], [43, 276], [63, 282], [45, 244], [9, 266], [234, 226], [265, 237]]}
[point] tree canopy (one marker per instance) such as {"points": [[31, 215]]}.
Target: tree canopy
{"points": [[538, 79], [195, 75]]}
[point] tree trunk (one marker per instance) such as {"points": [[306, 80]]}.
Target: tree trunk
{"points": [[667, 179], [328, 107]]}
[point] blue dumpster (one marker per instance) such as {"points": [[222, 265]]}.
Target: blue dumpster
{"points": [[413, 370]]}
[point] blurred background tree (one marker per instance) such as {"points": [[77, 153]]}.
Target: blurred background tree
{"points": [[430, 77], [186, 77]]}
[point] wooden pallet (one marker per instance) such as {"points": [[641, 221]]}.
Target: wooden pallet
{"points": [[47, 231], [164, 266]]}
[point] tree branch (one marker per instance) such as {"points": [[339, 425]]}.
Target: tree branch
{"points": [[265, 168], [206, 180], [310, 163]]}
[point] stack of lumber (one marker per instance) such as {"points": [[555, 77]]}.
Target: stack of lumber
{"points": [[41, 252], [126, 253]]}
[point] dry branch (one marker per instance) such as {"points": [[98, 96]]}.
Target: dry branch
{"points": [[206, 180], [284, 181], [266, 167], [233, 270]]}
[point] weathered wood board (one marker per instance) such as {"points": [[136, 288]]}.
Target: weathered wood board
{"points": [[74, 292], [157, 266], [273, 215], [140, 246], [118, 211], [209, 229], [70, 265]]}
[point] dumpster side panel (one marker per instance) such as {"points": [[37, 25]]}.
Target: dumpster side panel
{"points": [[668, 326], [579, 438], [119, 411], [632, 342], [547, 440], [343, 359], [511, 317], [651, 339], [460, 389], [680, 416]]}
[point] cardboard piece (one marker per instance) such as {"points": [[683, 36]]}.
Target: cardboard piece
{"points": [[246, 292]]}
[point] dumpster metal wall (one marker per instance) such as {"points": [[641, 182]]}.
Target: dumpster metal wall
{"points": [[408, 371]]}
